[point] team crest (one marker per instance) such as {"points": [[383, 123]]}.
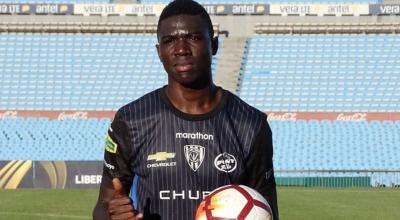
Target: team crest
{"points": [[194, 155], [225, 162]]}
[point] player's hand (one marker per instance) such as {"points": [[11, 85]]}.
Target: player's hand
{"points": [[120, 206]]}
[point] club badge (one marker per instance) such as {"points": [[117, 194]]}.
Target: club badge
{"points": [[194, 155]]}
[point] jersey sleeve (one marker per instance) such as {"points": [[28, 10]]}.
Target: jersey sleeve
{"points": [[259, 168], [118, 153]]}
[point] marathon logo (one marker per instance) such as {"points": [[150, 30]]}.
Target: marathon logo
{"points": [[194, 136]]}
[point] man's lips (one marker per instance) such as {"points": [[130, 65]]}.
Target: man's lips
{"points": [[184, 67]]}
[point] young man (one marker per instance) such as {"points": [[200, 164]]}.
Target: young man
{"points": [[174, 145]]}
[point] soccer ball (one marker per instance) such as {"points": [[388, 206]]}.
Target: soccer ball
{"points": [[234, 202]]}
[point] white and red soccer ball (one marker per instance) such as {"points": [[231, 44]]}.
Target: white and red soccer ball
{"points": [[234, 202]]}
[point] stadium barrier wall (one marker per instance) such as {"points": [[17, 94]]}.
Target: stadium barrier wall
{"points": [[57, 115], [213, 9], [319, 9], [38, 9], [272, 116], [338, 178], [50, 174], [87, 174]]}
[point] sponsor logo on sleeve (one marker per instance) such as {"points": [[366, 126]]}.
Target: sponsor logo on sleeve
{"points": [[160, 160], [194, 155], [110, 145], [109, 166], [225, 162]]}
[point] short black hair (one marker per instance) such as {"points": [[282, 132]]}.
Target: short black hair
{"points": [[186, 7]]}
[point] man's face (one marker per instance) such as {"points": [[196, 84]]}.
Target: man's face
{"points": [[185, 48]]}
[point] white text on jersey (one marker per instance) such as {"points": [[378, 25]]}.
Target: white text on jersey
{"points": [[196, 135], [189, 194]]}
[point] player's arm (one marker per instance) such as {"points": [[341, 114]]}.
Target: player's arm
{"points": [[260, 171], [113, 201]]}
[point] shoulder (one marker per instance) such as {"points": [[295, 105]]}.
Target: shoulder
{"points": [[141, 107], [240, 108], [247, 121]]}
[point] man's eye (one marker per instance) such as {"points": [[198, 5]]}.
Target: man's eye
{"points": [[167, 40], [194, 38]]}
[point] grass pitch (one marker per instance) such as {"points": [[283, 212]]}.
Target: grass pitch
{"points": [[341, 203], [46, 204], [294, 204]]}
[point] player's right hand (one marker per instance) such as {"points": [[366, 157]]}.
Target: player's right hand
{"points": [[120, 206]]}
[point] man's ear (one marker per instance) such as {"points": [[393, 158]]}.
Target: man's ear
{"points": [[158, 52], [214, 45]]}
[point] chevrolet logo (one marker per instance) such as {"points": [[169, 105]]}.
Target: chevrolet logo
{"points": [[160, 156]]}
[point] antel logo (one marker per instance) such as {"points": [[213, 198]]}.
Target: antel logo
{"points": [[225, 162]]}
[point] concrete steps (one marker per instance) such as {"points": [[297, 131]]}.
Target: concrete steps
{"points": [[229, 63]]}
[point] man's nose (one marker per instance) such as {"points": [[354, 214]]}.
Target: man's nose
{"points": [[182, 48]]}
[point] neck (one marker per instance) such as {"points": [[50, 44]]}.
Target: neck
{"points": [[193, 101]]}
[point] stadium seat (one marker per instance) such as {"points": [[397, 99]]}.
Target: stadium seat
{"points": [[322, 73], [75, 71], [312, 145]]}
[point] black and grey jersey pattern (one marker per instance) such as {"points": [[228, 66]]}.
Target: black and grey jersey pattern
{"points": [[171, 160]]}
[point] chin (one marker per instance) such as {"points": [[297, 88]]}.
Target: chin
{"points": [[187, 82], [195, 84], [184, 77], [191, 79]]}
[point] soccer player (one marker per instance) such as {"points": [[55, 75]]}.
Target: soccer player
{"points": [[174, 145]]}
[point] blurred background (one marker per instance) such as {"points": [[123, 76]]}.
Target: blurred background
{"points": [[326, 72]]}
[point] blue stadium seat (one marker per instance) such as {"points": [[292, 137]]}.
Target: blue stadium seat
{"points": [[311, 145], [322, 73], [335, 145], [77, 71], [44, 139]]}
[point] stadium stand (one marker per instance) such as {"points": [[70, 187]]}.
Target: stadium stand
{"points": [[350, 145], [77, 71], [43, 139], [270, 1], [294, 64], [54, 1], [336, 145], [336, 153], [322, 73], [330, 146]]}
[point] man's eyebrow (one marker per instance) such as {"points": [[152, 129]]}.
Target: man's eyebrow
{"points": [[179, 34], [166, 36]]}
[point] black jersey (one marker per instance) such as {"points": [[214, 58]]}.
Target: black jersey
{"points": [[173, 160]]}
